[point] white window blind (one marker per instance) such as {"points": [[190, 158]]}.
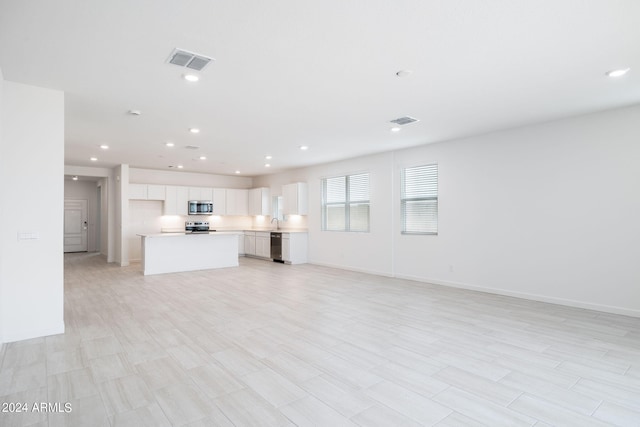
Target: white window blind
{"points": [[345, 203], [419, 200]]}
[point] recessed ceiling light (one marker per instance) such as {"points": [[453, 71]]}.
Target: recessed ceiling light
{"points": [[404, 73], [304, 147], [618, 73], [192, 78], [104, 146], [267, 165], [194, 130], [268, 157], [237, 171], [94, 159], [170, 144], [75, 177], [180, 166], [395, 129], [203, 157], [134, 112]]}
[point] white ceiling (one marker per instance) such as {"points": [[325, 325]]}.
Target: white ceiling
{"points": [[322, 73]]}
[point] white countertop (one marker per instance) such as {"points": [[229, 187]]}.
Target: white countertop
{"points": [[238, 230], [183, 234], [269, 230]]}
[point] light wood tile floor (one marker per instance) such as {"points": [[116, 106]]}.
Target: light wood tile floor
{"points": [[269, 344]]}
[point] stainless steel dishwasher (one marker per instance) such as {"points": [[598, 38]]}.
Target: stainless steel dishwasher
{"points": [[276, 246]]}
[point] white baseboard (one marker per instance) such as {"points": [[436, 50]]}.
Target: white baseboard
{"points": [[26, 335], [356, 269], [524, 295], [534, 297]]}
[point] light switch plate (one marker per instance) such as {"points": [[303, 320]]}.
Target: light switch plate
{"points": [[30, 235]]}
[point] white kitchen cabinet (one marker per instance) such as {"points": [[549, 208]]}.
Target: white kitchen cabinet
{"points": [[286, 248], [219, 198], [176, 199], [263, 244], [138, 191], [194, 193], [201, 193], [294, 248], [237, 201], [240, 244], [182, 200], [156, 192], [249, 243], [259, 201], [146, 192], [294, 199], [170, 200]]}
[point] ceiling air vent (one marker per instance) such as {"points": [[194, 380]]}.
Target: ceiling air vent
{"points": [[191, 147], [404, 120], [191, 60]]}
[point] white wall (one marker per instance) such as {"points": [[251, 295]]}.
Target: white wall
{"points": [[105, 216], [2, 221], [547, 212], [144, 218], [86, 190], [31, 167], [152, 176], [121, 195]]}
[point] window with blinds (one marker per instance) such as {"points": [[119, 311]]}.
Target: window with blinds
{"points": [[345, 203], [419, 200]]}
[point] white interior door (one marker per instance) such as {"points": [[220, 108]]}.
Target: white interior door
{"points": [[75, 226]]}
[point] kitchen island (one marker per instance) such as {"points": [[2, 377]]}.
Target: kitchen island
{"points": [[176, 252]]}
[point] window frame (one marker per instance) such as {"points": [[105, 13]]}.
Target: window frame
{"points": [[404, 200], [347, 203]]}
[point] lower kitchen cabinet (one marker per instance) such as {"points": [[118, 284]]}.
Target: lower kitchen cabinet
{"points": [[249, 243], [263, 244], [294, 248], [241, 244], [258, 244]]}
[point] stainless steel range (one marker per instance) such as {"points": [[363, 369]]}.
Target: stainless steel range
{"points": [[197, 227]]}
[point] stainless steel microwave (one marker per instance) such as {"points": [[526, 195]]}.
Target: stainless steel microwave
{"points": [[200, 207]]}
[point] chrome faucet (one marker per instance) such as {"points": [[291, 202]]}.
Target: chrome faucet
{"points": [[277, 223]]}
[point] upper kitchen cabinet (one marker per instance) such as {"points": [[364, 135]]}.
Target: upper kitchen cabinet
{"points": [[219, 201], [156, 192], [237, 201], [146, 192], [259, 201], [138, 191], [200, 193], [294, 199], [176, 200]]}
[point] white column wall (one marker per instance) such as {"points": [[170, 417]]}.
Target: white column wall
{"points": [[3, 206], [31, 168], [546, 212], [121, 176]]}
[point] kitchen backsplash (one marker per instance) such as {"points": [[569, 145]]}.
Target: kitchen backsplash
{"points": [[171, 222], [291, 222]]}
